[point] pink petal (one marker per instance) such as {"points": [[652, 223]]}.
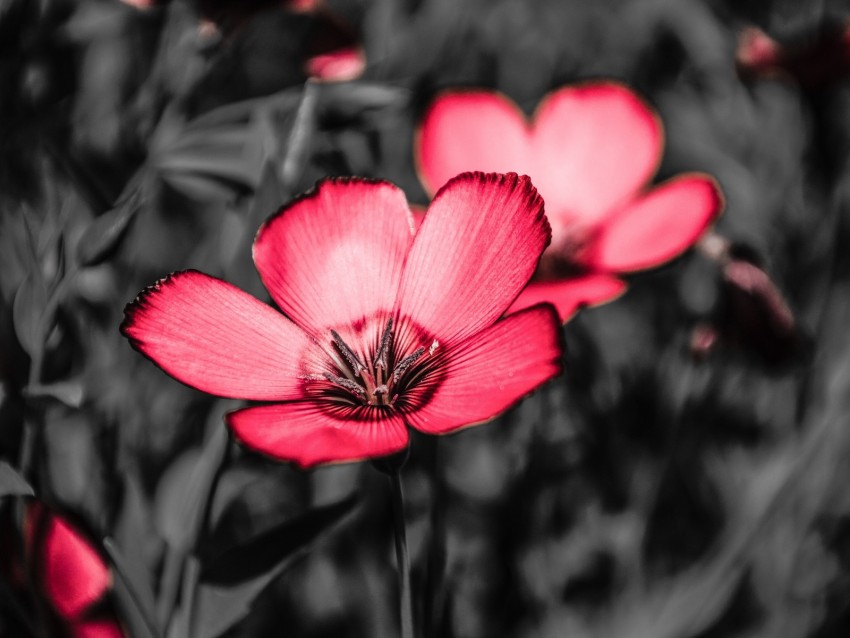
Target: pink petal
{"points": [[492, 370], [73, 574], [96, 629], [594, 146], [587, 149], [214, 337], [471, 131], [418, 213], [334, 256], [477, 247], [570, 295], [337, 66], [658, 226], [309, 433]]}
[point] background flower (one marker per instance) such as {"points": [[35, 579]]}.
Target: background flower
{"points": [[592, 148]]}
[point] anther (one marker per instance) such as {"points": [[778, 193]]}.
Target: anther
{"points": [[382, 358], [353, 360], [349, 385], [408, 361], [433, 347]]}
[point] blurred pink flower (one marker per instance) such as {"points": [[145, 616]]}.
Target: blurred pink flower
{"points": [[754, 314], [334, 51], [591, 150], [381, 329], [70, 573], [815, 62]]}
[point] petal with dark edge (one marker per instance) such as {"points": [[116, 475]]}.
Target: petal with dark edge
{"points": [[73, 575], [335, 255], [658, 226], [212, 336], [570, 295], [594, 146], [471, 131], [478, 246], [309, 433], [491, 371]]}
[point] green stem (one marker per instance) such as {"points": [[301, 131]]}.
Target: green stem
{"points": [[405, 598]]}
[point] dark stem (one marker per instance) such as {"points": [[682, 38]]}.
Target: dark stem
{"points": [[405, 598]]}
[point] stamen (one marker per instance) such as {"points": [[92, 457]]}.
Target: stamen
{"points": [[408, 361], [381, 393], [348, 353], [382, 358], [351, 386], [433, 347]]}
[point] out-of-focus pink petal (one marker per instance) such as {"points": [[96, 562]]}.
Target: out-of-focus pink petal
{"points": [[309, 433], [418, 213], [757, 52], [588, 148], [570, 295], [212, 336], [96, 629], [471, 131], [476, 249], [334, 256], [73, 575], [658, 226], [492, 370], [337, 66], [594, 146]]}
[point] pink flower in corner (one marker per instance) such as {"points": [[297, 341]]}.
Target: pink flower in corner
{"points": [[591, 150], [380, 330], [72, 576]]}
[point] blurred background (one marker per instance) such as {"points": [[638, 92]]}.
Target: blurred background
{"points": [[687, 477]]}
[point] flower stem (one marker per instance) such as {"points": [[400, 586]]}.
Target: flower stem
{"points": [[405, 598]]}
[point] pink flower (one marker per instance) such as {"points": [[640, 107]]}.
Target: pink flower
{"points": [[815, 61], [72, 576], [591, 150], [381, 330]]}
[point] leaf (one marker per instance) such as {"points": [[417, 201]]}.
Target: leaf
{"points": [[231, 582], [252, 558], [70, 393], [228, 157], [133, 596], [104, 234], [346, 104], [28, 310], [12, 483], [183, 491]]}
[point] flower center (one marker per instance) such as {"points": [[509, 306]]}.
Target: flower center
{"points": [[381, 381]]}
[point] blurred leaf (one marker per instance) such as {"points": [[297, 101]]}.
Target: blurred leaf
{"points": [[254, 557], [181, 623], [70, 393], [104, 234], [267, 199], [12, 483], [298, 143], [231, 582], [28, 310], [349, 103], [217, 155], [183, 491], [134, 596]]}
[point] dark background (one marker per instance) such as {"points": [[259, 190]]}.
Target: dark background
{"points": [[686, 477]]}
